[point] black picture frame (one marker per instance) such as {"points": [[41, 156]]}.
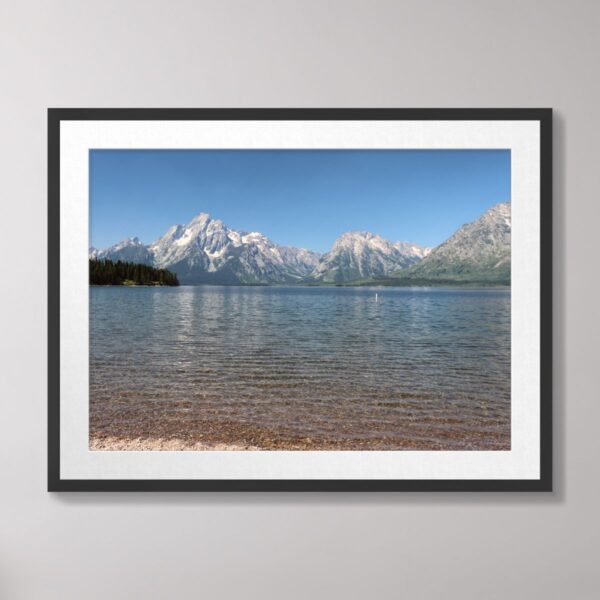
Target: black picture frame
{"points": [[58, 115]]}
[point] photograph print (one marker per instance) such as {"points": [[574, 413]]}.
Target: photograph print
{"points": [[310, 300], [300, 300]]}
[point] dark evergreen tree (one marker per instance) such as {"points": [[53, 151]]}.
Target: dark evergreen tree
{"points": [[107, 272]]}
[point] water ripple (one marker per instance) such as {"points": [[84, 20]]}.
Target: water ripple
{"points": [[428, 365]]}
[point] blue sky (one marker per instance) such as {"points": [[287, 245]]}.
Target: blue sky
{"points": [[295, 197]]}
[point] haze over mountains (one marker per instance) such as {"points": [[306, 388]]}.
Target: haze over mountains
{"points": [[208, 251]]}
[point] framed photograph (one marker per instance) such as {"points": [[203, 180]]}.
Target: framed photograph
{"points": [[300, 299]]}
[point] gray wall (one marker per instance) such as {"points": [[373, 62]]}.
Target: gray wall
{"points": [[280, 53]]}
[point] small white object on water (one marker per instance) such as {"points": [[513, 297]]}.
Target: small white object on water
{"points": [[376, 300]]}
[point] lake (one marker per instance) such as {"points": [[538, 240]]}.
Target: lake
{"points": [[301, 367]]}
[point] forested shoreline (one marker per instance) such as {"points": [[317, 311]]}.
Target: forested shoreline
{"points": [[108, 272]]}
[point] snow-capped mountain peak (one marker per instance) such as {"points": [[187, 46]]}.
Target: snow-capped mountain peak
{"points": [[358, 240], [206, 250], [362, 254], [200, 219], [410, 249], [129, 250], [201, 239]]}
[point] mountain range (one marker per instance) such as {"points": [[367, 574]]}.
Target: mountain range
{"points": [[206, 250]]}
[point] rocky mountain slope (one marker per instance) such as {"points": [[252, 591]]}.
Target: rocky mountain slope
{"points": [[477, 252], [362, 255], [129, 250]]}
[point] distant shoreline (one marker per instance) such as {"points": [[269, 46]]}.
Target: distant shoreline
{"points": [[455, 285], [130, 285]]}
